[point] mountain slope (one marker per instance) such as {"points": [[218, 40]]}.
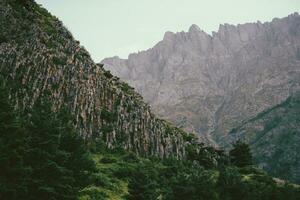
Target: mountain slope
{"points": [[38, 57], [209, 84], [212, 84], [274, 137]]}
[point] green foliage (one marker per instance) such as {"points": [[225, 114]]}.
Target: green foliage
{"points": [[24, 3], [41, 155], [106, 160], [107, 74], [240, 154], [230, 184], [190, 181], [168, 130], [208, 157], [92, 193], [13, 145], [3, 38], [125, 87], [171, 179], [271, 124], [131, 157], [273, 146], [190, 137], [59, 61], [121, 137], [117, 102], [250, 183], [108, 116], [144, 182]]}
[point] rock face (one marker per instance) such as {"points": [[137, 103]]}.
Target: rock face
{"points": [[210, 84], [39, 56]]}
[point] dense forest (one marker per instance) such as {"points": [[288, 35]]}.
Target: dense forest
{"points": [[43, 157]]}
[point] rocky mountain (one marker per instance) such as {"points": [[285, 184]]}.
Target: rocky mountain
{"points": [[210, 84], [65, 122], [39, 56]]}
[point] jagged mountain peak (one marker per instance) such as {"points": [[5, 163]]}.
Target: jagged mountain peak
{"points": [[194, 28], [210, 84], [168, 35]]}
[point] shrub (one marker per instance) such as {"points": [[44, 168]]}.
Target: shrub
{"points": [[107, 160], [107, 74], [100, 180], [240, 154], [130, 157], [59, 61], [126, 88], [108, 116], [92, 193]]}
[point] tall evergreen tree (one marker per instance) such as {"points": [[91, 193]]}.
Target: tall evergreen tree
{"points": [[41, 156], [13, 146], [241, 155], [60, 161]]}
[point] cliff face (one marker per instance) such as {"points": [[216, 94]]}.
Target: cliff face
{"points": [[213, 84], [274, 138], [38, 56], [210, 84]]}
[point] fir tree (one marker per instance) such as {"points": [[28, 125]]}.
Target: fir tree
{"points": [[240, 154], [13, 146], [41, 155]]}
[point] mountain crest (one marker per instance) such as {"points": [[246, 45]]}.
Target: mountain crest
{"points": [[194, 28], [210, 84], [168, 35]]}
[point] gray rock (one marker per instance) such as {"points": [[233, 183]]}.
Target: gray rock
{"points": [[39, 56], [210, 84]]}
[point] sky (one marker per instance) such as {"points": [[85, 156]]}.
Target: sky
{"points": [[109, 28]]}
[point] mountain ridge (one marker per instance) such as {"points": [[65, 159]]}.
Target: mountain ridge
{"points": [[40, 56], [123, 67], [212, 34], [209, 85]]}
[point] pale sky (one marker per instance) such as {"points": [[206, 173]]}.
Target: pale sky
{"points": [[109, 28]]}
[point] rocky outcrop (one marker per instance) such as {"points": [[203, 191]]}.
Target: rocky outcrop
{"points": [[38, 56], [209, 84]]}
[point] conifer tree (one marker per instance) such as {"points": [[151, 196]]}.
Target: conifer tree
{"points": [[41, 155], [241, 155], [13, 174]]}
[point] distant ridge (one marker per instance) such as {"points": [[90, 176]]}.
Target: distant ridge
{"points": [[210, 84]]}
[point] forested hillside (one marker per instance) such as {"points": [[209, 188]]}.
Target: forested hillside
{"points": [[273, 136]]}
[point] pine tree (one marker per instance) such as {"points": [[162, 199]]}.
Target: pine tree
{"points": [[60, 161], [240, 154], [13, 144], [41, 155], [50, 179]]}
